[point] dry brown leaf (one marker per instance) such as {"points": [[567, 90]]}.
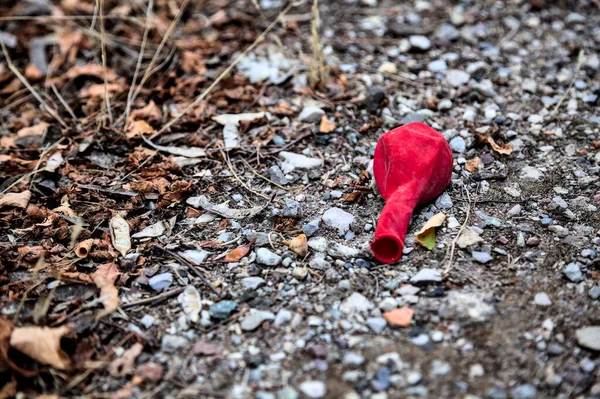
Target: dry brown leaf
{"points": [[149, 112], [35, 130], [137, 128], [298, 245], [83, 248], [97, 90], [119, 234], [238, 253], [472, 164], [505, 149], [17, 200], [125, 365], [42, 344], [104, 278], [326, 125], [9, 390], [426, 236]]}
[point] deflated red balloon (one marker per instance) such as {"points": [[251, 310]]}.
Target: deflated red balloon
{"points": [[412, 166]]}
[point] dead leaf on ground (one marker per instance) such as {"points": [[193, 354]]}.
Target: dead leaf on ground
{"points": [[42, 344], [298, 245], [426, 236], [238, 253], [17, 200], [326, 125], [137, 128], [222, 209], [472, 164], [104, 278], [505, 149], [119, 234], [125, 365], [149, 112], [35, 130]]}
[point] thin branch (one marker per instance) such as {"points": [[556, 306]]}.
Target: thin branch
{"points": [[450, 265], [225, 72], [192, 268], [100, 6], [580, 59], [26, 83], [148, 72], [140, 58]]}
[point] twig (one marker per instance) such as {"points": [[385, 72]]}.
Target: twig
{"points": [[154, 299], [140, 58], [232, 170], [100, 6], [192, 267], [66, 105], [170, 30], [263, 177], [450, 265], [226, 72], [26, 83], [580, 59]]}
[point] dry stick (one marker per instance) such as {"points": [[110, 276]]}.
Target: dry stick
{"points": [[448, 268], [157, 298], [232, 170], [26, 83], [66, 105], [201, 97], [170, 30], [140, 58], [580, 59], [100, 6], [192, 267]]}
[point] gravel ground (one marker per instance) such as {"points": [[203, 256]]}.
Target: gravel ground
{"points": [[513, 313]]}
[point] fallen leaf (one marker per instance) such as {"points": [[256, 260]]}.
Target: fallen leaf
{"points": [[104, 278], [54, 162], [82, 249], [505, 149], [42, 344], [191, 303], [35, 130], [138, 128], [119, 234], [222, 209], [426, 236], [238, 253], [9, 389], [467, 238], [472, 164], [298, 245], [326, 125], [17, 200], [155, 230], [235, 119], [124, 365], [399, 317], [149, 112], [188, 152]]}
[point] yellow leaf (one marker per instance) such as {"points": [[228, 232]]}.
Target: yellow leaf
{"points": [[426, 236], [41, 344], [326, 125], [298, 245]]}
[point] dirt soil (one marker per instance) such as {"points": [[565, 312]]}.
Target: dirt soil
{"points": [[157, 240]]}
